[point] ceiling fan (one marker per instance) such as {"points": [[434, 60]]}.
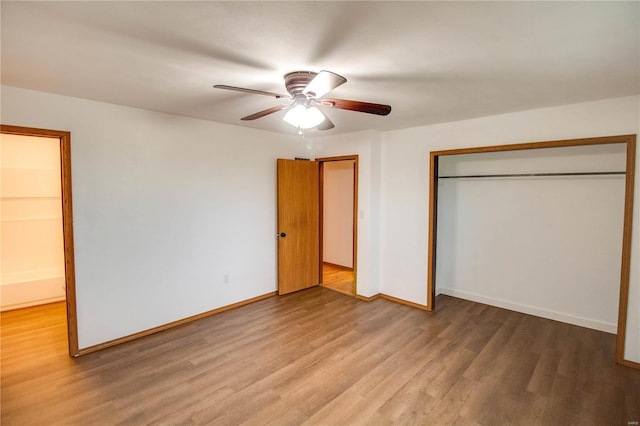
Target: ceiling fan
{"points": [[306, 90]]}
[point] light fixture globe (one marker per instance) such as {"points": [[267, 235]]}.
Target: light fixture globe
{"points": [[304, 118], [312, 117], [294, 115]]}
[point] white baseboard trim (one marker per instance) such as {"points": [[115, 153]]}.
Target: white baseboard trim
{"points": [[31, 293], [532, 310], [32, 303]]}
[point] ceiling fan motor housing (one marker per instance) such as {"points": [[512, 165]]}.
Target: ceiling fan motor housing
{"points": [[296, 81]]}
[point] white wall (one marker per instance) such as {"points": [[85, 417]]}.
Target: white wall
{"points": [[32, 261], [337, 217], [163, 207], [548, 246], [405, 171]]}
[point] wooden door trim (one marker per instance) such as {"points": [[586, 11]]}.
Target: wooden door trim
{"points": [[433, 230], [67, 222], [625, 268], [629, 140], [354, 260]]}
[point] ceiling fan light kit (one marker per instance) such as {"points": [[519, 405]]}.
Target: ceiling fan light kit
{"points": [[304, 117], [306, 90]]}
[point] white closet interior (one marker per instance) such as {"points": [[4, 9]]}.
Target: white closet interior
{"points": [[548, 243]]}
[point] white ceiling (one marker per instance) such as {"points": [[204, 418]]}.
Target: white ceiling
{"points": [[431, 61]]}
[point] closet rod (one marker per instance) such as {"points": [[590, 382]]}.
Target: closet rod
{"points": [[534, 174]]}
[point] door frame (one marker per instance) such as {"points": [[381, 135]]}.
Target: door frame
{"points": [[629, 140], [321, 162], [67, 222]]}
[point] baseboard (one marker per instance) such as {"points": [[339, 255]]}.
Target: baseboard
{"points": [[392, 299], [32, 292], [368, 298], [403, 302], [173, 324], [532, 310], [630, 364], [33, 303]]}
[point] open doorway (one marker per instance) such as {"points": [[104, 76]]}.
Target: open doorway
{"points": [[38, 197], [338, 223], [32, 255]]}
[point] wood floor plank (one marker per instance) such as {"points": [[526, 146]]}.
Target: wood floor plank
{"points": [[320, 357], [338, 278]]}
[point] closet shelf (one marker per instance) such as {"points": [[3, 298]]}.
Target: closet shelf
{"points": [[533, 175]]}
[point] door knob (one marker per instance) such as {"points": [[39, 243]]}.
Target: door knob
{"points": [[282, 235]]}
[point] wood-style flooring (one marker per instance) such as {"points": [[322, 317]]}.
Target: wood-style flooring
{"points": [[319, 357], [338, 278]]}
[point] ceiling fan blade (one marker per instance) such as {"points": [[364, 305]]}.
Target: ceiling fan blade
{"points": [[326, 124], [264, 112], [256, 92], [323, 83], [378, 109]]}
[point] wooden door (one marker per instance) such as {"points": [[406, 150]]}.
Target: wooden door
{"points": [[298, 225]]}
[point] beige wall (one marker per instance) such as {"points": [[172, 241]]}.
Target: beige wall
{"points": [[32, 261], [337, 226]]}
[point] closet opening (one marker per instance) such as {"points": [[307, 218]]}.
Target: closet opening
{"points": [[542, 228]]}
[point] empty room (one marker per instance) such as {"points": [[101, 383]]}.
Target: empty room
{"points": [[319, 212]]}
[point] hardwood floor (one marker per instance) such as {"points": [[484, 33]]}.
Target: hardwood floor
{"points": [[338, 278], [317, 357]]}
